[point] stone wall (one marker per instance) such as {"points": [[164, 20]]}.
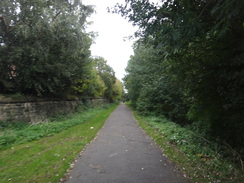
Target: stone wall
{"points": [[38, 111]]}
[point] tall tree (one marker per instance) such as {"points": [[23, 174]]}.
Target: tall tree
{"points": [[107, 74], [117, 90], [44, 46], [203, 44]]}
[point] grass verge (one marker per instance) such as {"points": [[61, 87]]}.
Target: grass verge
{"points": [[19, 132], [193, 155], [48, 159]]}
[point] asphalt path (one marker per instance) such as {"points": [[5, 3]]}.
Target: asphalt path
{"points": [[123, 153]]}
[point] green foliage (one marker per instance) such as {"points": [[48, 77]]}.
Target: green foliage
{"points": [[44, 47], [99, 87], [197, 47], [197, 157], [19, 132], [117, 90], [107, 75], [44, 51], [151, 87], [92, 86]]}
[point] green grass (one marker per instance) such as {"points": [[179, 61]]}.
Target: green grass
{"points": [[48, 159], [195, 156], [19, 132]]}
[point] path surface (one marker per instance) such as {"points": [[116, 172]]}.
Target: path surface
{"points": [[123, 153]]}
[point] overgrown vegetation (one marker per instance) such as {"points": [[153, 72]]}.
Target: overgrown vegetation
{"points": [[188, 64], [45, 51], [196, 157], [15, 133], [48, 159]]}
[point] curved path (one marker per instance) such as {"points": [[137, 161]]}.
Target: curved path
{"points": [[123, 153]]}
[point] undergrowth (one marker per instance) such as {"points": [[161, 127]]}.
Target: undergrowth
{"points": [[197, 157], [19, 132]]}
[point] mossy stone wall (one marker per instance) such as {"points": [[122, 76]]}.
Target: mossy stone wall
{"points": [[39, 111]]}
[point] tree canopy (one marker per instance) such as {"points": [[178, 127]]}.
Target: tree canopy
{"points": [[44, 46], [113, 90], [45, 51], [189, 62]]}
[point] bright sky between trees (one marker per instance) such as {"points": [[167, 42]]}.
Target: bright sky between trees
{"points": [[112, 30]]}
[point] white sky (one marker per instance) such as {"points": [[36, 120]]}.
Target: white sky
{"points": [[112, 29]]}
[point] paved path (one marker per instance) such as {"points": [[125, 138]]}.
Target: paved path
{"points": [[122, 153]]}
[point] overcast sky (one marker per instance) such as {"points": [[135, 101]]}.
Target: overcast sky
{"points": [[112, 29]]}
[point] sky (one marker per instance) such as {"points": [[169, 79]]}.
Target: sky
{"points": [[112, 30]]}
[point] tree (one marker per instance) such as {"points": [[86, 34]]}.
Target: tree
{"points": [[92, 86], [117, 90], [44, 46], [150, 87], [107, 74], [203, 44]]}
